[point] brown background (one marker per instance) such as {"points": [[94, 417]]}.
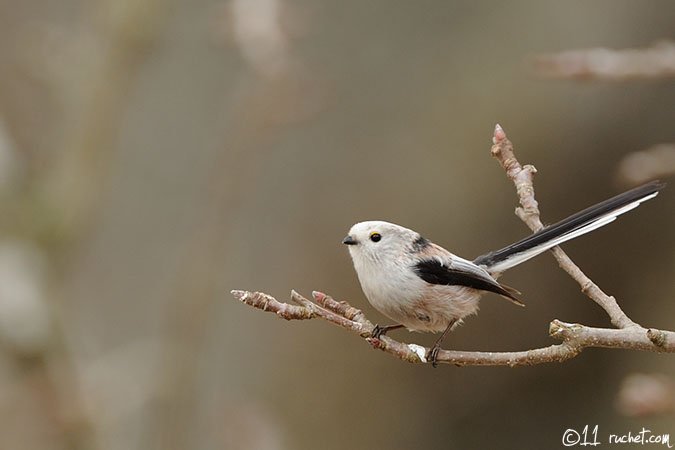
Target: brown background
{"points": [[162, 153]]}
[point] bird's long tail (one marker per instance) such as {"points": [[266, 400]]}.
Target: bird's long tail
{"points": [[574, 226]]}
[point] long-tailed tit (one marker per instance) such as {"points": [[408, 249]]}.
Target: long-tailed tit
{"points": [[423, 287]]}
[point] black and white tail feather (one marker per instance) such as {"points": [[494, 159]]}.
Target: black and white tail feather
{"points": [[574, 226]]}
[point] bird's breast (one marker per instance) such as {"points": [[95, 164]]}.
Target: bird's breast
{"points": [[405, 298], [388, 284]]}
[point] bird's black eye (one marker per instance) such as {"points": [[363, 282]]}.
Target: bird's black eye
{"points": [[375, 237]]}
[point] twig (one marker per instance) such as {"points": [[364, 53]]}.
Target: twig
{"points": [[523, 178], [649, 164], [574, 337], [644, 395], [657, 61]]}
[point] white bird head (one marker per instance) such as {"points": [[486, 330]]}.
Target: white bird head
{"points": [[376, 241]]}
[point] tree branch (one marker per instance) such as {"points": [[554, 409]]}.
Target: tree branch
{"points": [[655, 62], [523, 179], [648, 164], [574, 337]]}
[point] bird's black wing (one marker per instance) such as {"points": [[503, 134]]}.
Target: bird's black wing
{"points": [[434, 271]]}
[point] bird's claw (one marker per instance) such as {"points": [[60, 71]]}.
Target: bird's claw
{"points": [[378, 331], [432, 355]]}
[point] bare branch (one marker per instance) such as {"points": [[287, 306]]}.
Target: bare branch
{"points": [[574, 337], [649, 164], [523, 179], [657, 61], [646, 395]]}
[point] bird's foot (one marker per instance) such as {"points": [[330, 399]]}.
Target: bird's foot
{"points": [[378, 331], [432, 355], [381, 331]]}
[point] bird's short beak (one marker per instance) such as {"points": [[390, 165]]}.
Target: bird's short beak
{"points": [[348, 240]]}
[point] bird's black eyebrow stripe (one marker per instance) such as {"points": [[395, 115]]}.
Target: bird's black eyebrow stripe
{"points": [[433, 272], [420, 244]]}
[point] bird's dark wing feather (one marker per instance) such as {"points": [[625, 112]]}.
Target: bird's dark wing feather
{"points": [[433, 271]]}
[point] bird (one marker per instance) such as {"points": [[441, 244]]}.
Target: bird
{"points": [[423, 287]]}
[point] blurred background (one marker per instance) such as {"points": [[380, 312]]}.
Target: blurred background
{"points": [[156, 154]]}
